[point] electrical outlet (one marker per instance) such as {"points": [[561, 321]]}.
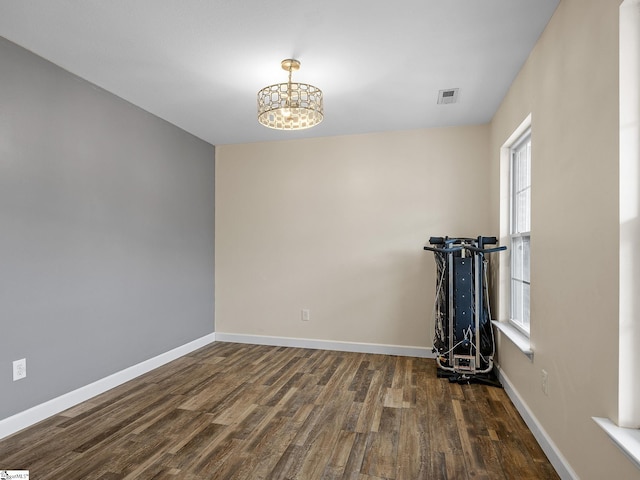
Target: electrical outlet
{"points": [[19, 369], [545, 382], [306, 315]]}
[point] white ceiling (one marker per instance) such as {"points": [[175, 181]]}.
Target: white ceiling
{"points": [[199, 63]]}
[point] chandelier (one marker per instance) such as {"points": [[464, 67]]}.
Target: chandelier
{"points": [[290, 106]]}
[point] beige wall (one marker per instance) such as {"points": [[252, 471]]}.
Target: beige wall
{"points": [[337, 225], [570, 86]]}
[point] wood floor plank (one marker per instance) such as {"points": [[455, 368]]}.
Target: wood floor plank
{"points": [[199, 446], [267, 448], [413, 461], [322, 439], [368, 419], [473, 461], [356, 455], [442, 427], [381, 456], [455, 467], [236, 411], [339, 456], [289, 463]]}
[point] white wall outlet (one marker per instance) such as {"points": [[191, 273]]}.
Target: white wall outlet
{"points": [[19, 369], [545, 382], [305, 315]]}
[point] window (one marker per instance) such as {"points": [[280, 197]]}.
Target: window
{"points": [[520, 231]]}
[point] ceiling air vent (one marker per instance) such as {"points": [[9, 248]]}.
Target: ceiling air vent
{"points": [[448, 96]]}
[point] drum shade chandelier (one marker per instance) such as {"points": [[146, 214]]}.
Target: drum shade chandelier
{"points": [[291, 105]]}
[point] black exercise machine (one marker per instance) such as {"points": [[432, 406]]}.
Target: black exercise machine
{"points": [[463, 342]]}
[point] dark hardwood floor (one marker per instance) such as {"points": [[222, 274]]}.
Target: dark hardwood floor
{"points": [[233, 411]]}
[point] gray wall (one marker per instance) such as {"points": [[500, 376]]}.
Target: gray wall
{"points": [[106, 232]]}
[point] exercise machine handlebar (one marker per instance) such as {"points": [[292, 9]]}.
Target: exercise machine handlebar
{"points": [[463, 243], [485, 250], [444, 250]]}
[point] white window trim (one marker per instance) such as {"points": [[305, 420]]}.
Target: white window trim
{"points": [[504, 326], [624, 433], [519, 339], [626, 439]]}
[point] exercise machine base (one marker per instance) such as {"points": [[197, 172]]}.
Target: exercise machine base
{"points": [[489, 378]]}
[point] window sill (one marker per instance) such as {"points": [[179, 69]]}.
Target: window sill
{"points": [[519, 339], [626, 439]]}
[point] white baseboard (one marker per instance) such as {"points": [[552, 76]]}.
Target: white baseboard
{"points": [[400, 350], [29, 417], [563, 468]]}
